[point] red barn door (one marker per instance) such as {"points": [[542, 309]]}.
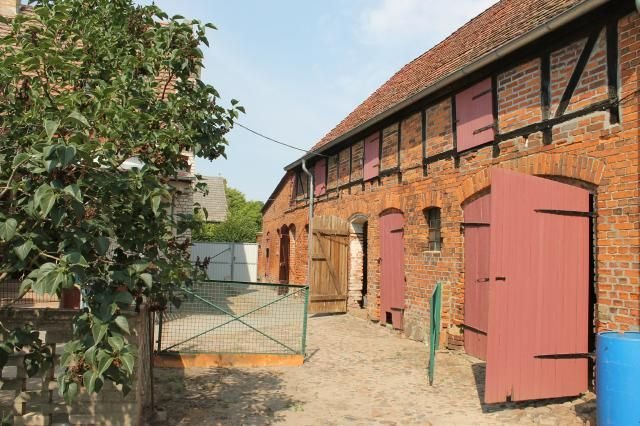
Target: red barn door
{"points": [[539, 289], [283, 273], [476, 275], [392, 283]]}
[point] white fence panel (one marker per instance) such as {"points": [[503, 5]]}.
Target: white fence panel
{"points": [[229, 261]]}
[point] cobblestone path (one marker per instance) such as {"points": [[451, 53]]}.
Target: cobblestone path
{"points": [[356, 373]]}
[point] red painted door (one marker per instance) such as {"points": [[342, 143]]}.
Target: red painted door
{"points": [[283, 275], [539, 289], [371, 156], [392, 283], [476, 275]]}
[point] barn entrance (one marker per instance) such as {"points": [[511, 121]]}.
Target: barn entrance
{"points": [[392, 280], [527, 287], [283, 274], [358, 263], [329, 265]]}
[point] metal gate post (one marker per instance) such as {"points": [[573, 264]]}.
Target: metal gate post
{"points": [[160, 314], [304, 320]]}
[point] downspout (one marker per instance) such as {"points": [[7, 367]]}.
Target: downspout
{"points": [[638, 5], [310, 236]]}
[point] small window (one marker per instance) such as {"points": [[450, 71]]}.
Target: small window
{"points": [[432, 216]]}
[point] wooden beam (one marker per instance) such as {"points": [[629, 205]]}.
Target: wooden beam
{"points": [[328, 298], [577, 73], [545, 95], [454, 131], [423, 118], [612, 69], [496, 121], [538, 127]]}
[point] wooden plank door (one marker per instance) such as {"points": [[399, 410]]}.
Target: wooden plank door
{"points": [[476, 275], [329, 265], [283, 272], [392, 280], [539, 289]]}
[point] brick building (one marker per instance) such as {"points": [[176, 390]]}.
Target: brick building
{"points": [[502, 163]]}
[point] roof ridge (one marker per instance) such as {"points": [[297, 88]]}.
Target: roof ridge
{"points": [[478, 37]]}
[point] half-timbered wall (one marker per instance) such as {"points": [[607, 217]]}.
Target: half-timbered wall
{"points": [[579, 127]]}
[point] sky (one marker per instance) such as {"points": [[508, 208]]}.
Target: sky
{"points": [[299, 67]]}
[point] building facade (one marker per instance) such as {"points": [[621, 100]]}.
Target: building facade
{"points": [[502, 163]]}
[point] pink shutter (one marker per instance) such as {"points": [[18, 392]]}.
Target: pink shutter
{"points": [[474, 116], [371, 156], [320, 177]]}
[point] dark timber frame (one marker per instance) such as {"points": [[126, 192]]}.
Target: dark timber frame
{"points": [[542, 48]]}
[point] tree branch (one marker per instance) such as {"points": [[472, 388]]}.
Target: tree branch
{"points": [[13, 173]]}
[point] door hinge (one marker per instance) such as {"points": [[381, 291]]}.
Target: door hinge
{"points": [[566, 212], [476, 330], [567, 356], [472, 224]]}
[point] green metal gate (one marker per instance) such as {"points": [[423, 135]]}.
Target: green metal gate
{"points": [[236, 317]]}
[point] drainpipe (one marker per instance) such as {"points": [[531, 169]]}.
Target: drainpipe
{"points": [[310, 236], [638, 5]]}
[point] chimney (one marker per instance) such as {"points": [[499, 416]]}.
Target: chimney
{"points": [[9, 8]]}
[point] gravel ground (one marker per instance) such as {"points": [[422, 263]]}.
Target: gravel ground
{"points": [[356, 373]]}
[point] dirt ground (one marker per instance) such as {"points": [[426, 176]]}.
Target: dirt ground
{"points": [[355, 373]]}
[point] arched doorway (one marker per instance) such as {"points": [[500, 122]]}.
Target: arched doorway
{"points": [[267, 256], [357, 296], [283, 274], [292, 254], [392, 280]]}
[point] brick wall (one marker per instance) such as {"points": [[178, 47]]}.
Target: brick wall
{"points": [[591, 151], [35, 400]]}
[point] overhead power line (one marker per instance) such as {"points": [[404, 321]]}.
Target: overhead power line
{"points": [[276, 141]]}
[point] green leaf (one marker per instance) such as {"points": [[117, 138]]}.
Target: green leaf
{"points": [[8, 229], [45, 198], [76, 116], [122, 322], [128, 361], [102, 245], [22, 251], [25, 286], [104, 364], [74, 191], [147, 279], [75, 258], [99, 330], [71, 393], [90, 355], [155, 204], [139, 267], [89, 380], [124, 298], [51, 127], [116, 342], [19, 159], [66, 154]]}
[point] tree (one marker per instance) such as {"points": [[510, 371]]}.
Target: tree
{"points": [[84, 86], [243, 222]]}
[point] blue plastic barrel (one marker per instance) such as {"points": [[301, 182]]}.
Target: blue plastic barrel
{"points": [[618, 378]]}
